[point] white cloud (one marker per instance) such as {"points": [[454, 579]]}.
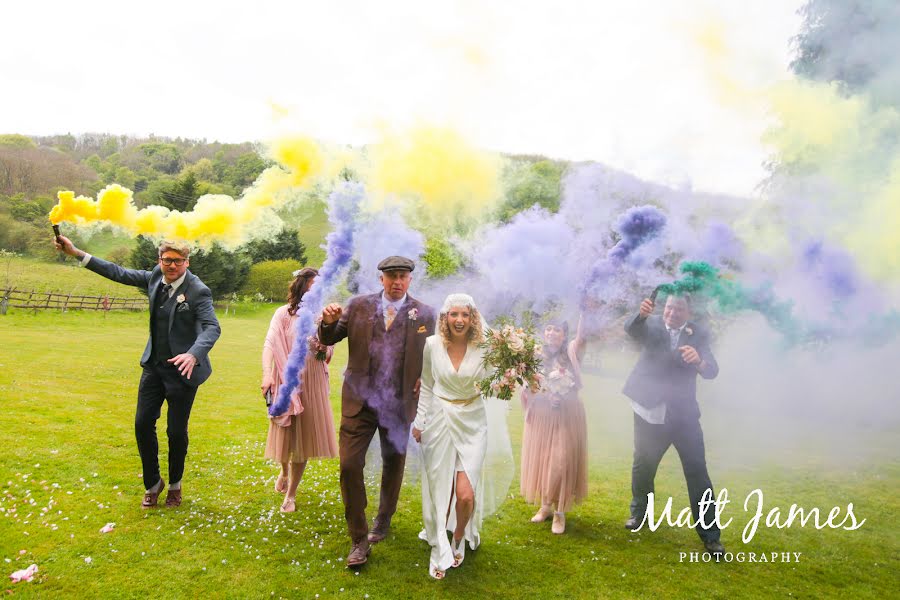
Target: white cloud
{"points": [[621, 83]]}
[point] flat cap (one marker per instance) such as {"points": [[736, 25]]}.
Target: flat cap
{"points": [[396, 263]]}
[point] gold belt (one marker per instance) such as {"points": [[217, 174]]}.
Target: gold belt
{"points": [[461, 401]]}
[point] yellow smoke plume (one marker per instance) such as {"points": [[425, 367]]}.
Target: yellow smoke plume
{"points": [[841, 139], [436, 167], [842, 143], [214, 218]]}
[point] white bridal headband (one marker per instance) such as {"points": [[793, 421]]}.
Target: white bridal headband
{"points": [[457, 300]]}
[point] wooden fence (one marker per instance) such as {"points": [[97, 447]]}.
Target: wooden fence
{"points": [[55, 301]]}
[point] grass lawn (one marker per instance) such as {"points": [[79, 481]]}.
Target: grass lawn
{"points": [[69, 465], [25, 273]]}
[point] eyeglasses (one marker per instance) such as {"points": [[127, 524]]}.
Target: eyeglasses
{"points": [[170, 261]]}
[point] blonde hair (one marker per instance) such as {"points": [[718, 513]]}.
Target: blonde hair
{"points": [[476, 329], [179, 247]]}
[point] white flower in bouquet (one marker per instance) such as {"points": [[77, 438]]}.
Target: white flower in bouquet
{"points": [[560, 381]]}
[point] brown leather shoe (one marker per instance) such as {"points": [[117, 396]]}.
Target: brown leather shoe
{"points": [[359, 553], [173, 498], [151, 498], [379, 531]]}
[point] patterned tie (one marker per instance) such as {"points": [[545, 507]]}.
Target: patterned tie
{"points": [[164, 293], [389, 315], [673, 338]]}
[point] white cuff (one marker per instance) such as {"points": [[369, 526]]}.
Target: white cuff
{"points": [[85, 259]]}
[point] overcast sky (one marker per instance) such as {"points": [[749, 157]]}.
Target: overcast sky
{"points": [[664, 89]]}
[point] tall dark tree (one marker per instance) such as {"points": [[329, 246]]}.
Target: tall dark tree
{"points": [[223, 271], [853, 43], [183, 193], [285, 245]]}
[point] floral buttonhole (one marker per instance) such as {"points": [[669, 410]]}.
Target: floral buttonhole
{"points": [[180, 298], [413, 314]]}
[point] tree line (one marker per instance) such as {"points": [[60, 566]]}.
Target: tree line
{"points": [[176, 172]]}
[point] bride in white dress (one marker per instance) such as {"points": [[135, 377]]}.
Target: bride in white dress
{"points": [[452, 426]]}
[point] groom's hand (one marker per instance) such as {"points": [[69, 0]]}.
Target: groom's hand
{"points": [[417, 435], [185, 363], [689, 355], [646, 308], [331, 313]]}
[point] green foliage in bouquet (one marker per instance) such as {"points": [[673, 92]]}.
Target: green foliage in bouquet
{"points": [[512, 357]]}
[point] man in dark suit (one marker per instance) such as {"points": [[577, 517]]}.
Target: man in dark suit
{"points": [[183, 329], [663, 392], [386, 333]]}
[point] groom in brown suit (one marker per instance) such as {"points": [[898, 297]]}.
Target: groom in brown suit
{"points": [[386, 334]]}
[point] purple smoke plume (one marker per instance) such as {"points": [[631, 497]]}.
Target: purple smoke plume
{"points": [[718, 245], [636, 227], [343, 208], [834, 269], [381, 235]]}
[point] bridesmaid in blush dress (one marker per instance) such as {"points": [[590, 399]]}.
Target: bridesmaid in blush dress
{"points": [[554, 442], [306, 430]]}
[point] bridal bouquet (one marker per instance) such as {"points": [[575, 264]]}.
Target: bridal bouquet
{"points": [[512, 357]]}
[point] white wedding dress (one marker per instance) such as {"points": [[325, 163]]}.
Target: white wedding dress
{"points": [[454, 420]]}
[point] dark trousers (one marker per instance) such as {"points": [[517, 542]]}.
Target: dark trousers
{"points": [[355, 436], [650, 444], [161, 382]]}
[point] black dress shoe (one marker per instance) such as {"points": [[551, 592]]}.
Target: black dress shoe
{"points": [[633, 523], [714, 547]]}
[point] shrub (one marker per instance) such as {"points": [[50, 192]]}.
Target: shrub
{"points": [[270, 279]]}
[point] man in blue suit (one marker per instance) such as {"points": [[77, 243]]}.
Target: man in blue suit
{"points": [[183, 329], [663, 392]]}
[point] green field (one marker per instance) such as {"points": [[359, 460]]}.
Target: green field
{"points": [[33, 274], [69, 465]]}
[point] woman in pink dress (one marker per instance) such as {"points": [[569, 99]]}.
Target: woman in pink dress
{"points": [[306, 430], [554, 443]]}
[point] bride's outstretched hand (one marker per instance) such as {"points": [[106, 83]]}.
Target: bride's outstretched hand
{"points": [[417, 435]]}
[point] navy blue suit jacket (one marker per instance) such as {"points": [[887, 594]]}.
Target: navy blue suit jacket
{"points": [[660, 375], [193, 326]]}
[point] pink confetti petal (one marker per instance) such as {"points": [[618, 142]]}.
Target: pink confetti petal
{"points": [[107, 528], [24, 574]]}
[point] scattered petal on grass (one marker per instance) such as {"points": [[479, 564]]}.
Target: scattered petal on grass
{"points": [[24, 574], [107, 528], [88, 559]]}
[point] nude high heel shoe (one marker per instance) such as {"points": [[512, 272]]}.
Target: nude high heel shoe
{"points": [[559, 523]]}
